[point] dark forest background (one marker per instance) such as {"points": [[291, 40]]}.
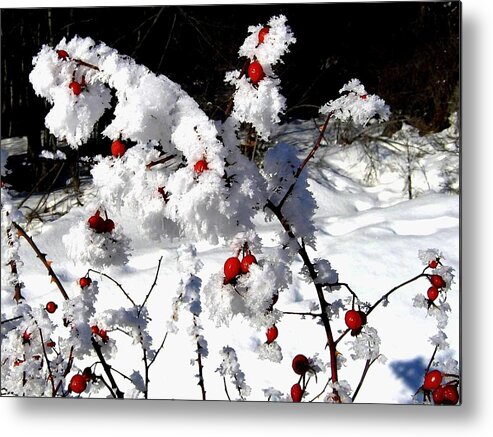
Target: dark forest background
{"points": [[406, 52]]}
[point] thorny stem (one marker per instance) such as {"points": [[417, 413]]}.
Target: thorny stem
{"points": [[152, 287], [53, 391], [302, 314], [319, 289], [226, 388], [303, 164], [13, 268], [382, 299], [107, 369], [11, 320], [431, 360], [116, 283], [159, 350], [368, 364], [160, 161], [42, 257], [199, 361]]}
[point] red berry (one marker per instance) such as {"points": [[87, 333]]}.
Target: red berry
{"points": [[62, 54], [246, 262], [85, 281], [200, 166], [97, 223], [433, 264], [76, 87], [432, 293], [437, 281], [51, 307], [18, 362], [118, 149], [362, 314], [104, 336], [300, 364], [78, 384], [109, 225], [363, 97], [95, 329], [353, 319], [26, 337], [272, 334], [433, 380], [296, 393], [232, 268], [438, 395], [261, 35], [255, 72], [450, 394], [50, 343]]}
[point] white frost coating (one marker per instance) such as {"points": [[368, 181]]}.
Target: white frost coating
{"points": [[357, 105], [261, 105], [429, 255], [280, 165], [58, 155], [366, 345], [85, 246], [271, 352], [231, 367]]}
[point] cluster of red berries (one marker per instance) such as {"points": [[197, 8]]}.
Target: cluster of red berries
{"points": [[78, 383], [437, 283], [255, 70], [100, 332], [355, 321], [99, 224], [300, 366], [442, 394], [118, 148], [234, 267], [200, 166]]}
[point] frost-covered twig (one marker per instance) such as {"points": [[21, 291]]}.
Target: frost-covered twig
{"points": [[107, 369], [303, 164]]}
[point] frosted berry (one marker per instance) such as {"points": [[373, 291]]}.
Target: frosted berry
{"points": [[85, 281], [78, 384], [450, 394], [109, 225], [104, 336], [438, 395], [118, 149], [255, 72], [300, 364], [296, 393], [26, 338], [353, 320], [437, 281], [272, 334], [261, 34], [51, 307], [232, 268], [363, 97], [76, 87], [50, 343], [62, 54], [433, 379], [246, 262], [433, 264], [200, 166], [432, 293], [96, 222], [95, 329]]}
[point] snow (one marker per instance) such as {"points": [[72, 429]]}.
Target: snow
{"points": [[352, 210]]}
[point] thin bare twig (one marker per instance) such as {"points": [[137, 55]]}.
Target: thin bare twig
{"points": [[152, 287], [116, 283]]}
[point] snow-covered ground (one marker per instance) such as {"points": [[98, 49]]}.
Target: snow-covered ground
{"points": [[371, 234]]}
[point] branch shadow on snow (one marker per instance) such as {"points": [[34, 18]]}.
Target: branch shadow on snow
{"points": [[410, 372]]}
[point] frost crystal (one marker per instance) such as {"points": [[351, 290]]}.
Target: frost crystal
{"points": [[356, 105], [231, 367]]}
